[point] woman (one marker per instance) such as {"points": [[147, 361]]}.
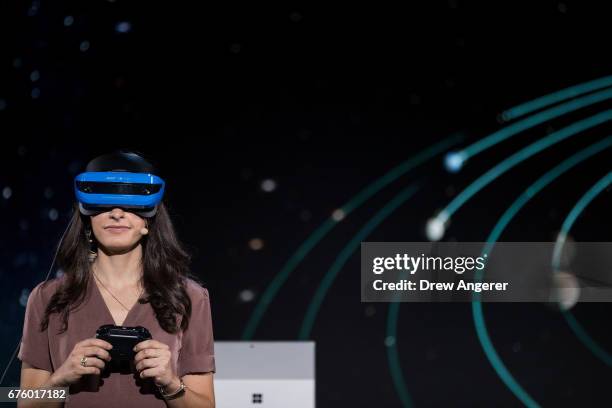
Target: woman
{"points": [[122, 265]]}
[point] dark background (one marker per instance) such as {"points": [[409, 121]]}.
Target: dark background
{"points": [[323, 101]]}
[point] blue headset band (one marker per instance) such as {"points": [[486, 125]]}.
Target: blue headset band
{"points": [[139, 191]]}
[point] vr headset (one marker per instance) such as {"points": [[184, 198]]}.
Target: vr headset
{"points": [[124, 186]]}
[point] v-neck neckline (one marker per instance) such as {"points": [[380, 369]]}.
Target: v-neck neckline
{"points": [[107, 309]]}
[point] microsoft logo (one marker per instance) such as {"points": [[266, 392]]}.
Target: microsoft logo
{"points": [[257, 398]]}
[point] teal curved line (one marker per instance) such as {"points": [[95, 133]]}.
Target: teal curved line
{"points": [[477, 313], [321, 231], [556, 97], [479, 319], [534, 120], [580, 332], [584, 201], [344, 255], [338, 264], [519, 157], [586, 338], [324, 228]]}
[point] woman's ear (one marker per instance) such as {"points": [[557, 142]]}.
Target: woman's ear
{"points": [[145, 230], [89, 222]]}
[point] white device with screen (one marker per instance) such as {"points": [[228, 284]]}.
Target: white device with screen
{"points": [[265, 374]]}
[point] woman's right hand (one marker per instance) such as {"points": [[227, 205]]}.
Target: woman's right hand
{"points": [[71, 371]]}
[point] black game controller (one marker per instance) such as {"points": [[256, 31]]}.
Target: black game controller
{"points": [[123, 340]]}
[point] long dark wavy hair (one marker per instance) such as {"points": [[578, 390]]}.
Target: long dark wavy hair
{"points": [[165, 266]]}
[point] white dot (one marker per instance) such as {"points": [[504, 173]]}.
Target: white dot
{"points": [[566, 289], [59, 273], [256, 244], [123, 27], [268, 185], [435, 229], [454, 161], [389, 341], [53, 214], [7, 192], [84, 46], [68, 21], [338, 214], [246, 295], [34, 75], [566, 253]]}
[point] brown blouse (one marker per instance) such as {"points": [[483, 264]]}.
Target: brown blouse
{"points": [[192, 350]]}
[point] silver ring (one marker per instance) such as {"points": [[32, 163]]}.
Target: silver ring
{"points": [[83, 361]]}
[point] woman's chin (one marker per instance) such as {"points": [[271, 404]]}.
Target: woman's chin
{"points": [[112, 248]]}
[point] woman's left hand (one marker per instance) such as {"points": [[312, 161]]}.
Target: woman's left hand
{"points": [[153, 360]]}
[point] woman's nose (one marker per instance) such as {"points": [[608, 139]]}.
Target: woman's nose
{"points": [[117, 213]]}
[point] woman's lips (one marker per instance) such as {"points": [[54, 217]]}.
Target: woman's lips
{"points": [[117, 230]]}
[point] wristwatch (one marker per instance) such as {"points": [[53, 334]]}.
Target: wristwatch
{"points": [[180, 391]]}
